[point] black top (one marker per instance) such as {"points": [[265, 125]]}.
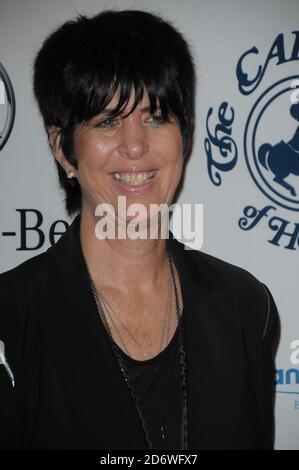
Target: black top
{"points": [[157, 385], [69, 393]]}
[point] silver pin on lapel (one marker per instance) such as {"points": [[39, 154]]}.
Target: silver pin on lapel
{"points": [[5, 363]]}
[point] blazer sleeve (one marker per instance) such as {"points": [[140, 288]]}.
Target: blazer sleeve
{"points": [[10, 369], [270, 338], [260, 325], [21, 307]]}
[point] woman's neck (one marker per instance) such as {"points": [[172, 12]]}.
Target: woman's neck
{"points": [[124, 264]]}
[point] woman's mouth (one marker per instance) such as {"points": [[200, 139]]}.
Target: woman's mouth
{"points": [[134, 181]]}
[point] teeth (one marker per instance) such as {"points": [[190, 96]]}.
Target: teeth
{"points": [[133, 179]]}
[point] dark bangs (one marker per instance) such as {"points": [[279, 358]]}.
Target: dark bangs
{"points": [[125, 51]]}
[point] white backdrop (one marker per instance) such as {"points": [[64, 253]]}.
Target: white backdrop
{"points": [[219, 32]]}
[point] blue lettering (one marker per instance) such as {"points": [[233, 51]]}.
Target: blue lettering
{"points": [[277, 51], [280, 225]]}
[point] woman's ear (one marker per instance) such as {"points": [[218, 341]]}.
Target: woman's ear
{"points": [[54, 134]]}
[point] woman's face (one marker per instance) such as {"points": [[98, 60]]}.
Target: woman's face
{"points": [[139, 156]]}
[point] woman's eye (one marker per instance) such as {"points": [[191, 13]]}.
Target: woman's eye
{"points": [[157, 119], [110, 123], [107, 123]]}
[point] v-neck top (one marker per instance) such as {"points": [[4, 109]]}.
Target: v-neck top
{"points": [[157, 385]]}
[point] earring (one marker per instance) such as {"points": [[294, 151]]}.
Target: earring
{"points": [[70, 175]]}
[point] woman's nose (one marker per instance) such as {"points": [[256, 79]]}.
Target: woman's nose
{"points": [[133, 139]]}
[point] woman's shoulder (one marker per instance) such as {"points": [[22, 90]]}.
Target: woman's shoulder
{"points": [[253, 297], [250, 294], [229, 273], [24, 281], [20, 317], [218, 270]]}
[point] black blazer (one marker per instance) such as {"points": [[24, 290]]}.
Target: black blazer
{"points": [[69, 392]]}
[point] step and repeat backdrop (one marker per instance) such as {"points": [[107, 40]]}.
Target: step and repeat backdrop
{"points": [[244, 167]]}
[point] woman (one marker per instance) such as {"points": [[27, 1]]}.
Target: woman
{"points": [[128, 343]]}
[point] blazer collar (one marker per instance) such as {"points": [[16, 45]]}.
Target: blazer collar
{"points": [[85, 362]]}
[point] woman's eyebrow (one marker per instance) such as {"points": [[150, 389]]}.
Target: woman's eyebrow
{"points": [[145, 109]]}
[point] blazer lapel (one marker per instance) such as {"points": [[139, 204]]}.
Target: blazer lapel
{"points": [[86, 365], [80, 349], [213, 345]]}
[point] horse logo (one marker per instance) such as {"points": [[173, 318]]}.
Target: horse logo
{"points": [[274, 162], [282, 159]]}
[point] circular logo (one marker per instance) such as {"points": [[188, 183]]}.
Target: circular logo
{"points": [[272, 158], [7, 106]]}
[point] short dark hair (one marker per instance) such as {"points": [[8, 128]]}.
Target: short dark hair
{"points": [[82, 64]]}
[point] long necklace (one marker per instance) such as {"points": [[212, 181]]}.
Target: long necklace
{"points": [[108, 308], [182, 363]]}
